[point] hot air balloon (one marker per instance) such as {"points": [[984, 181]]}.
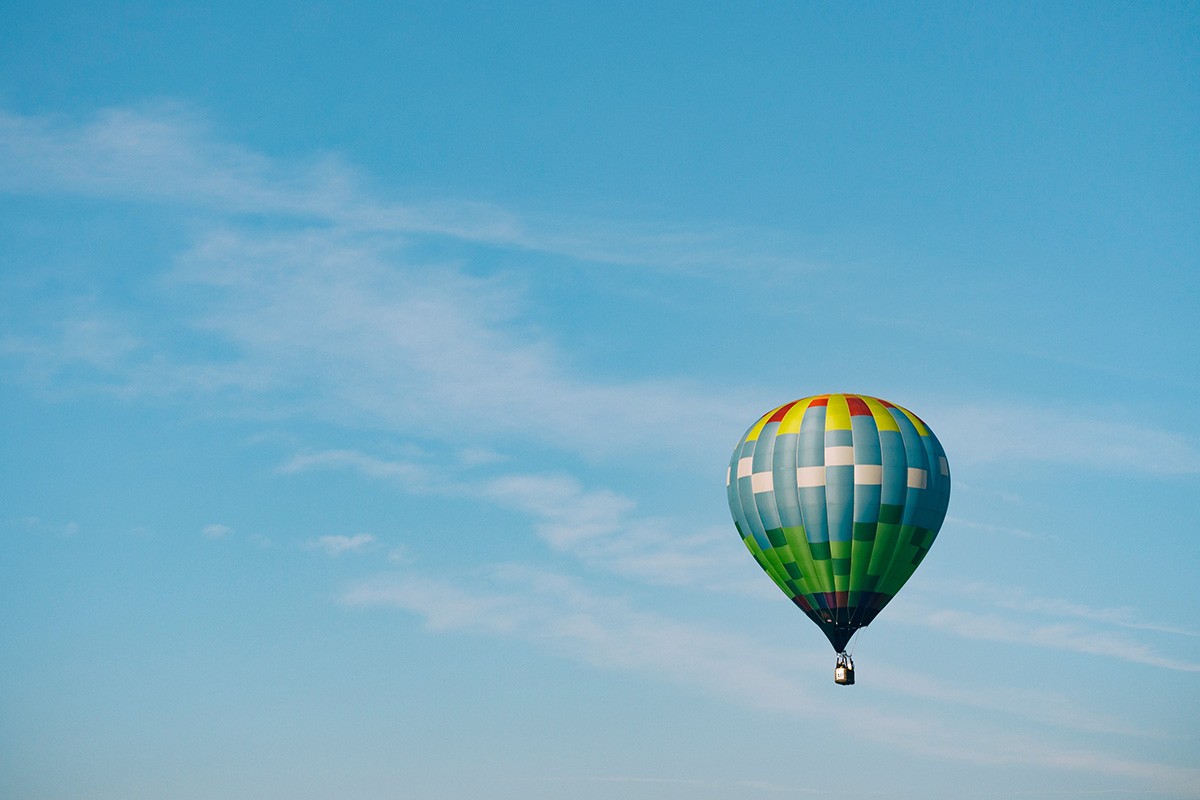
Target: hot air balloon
{"points": [[838, 498]]}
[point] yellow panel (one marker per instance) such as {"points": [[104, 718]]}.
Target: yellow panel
{"points": [[795, 415], [884, 420], [920, 426], [837, 417], [756, 428]]}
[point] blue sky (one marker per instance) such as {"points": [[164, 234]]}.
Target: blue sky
{"points": [[368, 375]]}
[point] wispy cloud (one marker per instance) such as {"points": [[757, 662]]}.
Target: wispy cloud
{"points": [[319, 302], [565, 617], [347, 330], [323, 323], [400, 555], [338, 545], [41, 526], [321, 307], [604, 531], [1039, 705], [216, 531], [413, 476], [1012, 615], [1018, 533], [170, 154], [1016, 598], [1079, 436], [598, 526], [601, 528], [1056, 635]]}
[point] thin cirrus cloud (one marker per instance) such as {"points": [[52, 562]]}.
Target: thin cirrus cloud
{"points": [[1003, 530], [599, 527], [1017, 599], [1060, 635], [41, 526], [563, 616], [321, 311], [339, 545], [414, 477], [216, 531], [1026, 433], [299, 303], [603, 531], [344, 329], [1011, 615], [168, 153]]}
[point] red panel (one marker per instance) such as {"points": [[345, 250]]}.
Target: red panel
{"points": [[823, 400], [857, 407], [778, 415]]}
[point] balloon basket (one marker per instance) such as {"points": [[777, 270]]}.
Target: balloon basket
{"points": [[843, 672]]}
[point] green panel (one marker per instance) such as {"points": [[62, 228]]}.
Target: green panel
{"points": [[816, 579], [763, 562], [781, 552], [901, 566], [777, 567], [887, 539], [859, 561], [840, 552], [787, 566], [864, 531], [891, 514], [776, 538]]}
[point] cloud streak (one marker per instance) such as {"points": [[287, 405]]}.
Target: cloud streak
{"points": [[995, 627], [168, 153], [980, 433], [602, 529], [339, 545], [216, 531], [598, 526], [322, 308], [563, 616], [1017, 599]]}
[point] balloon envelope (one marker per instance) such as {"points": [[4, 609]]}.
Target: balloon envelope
{"points": [[838, 497]]}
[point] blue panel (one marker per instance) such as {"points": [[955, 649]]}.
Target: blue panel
{"points": [[937, 495], [866, 440], [866, 451], [765, 451], [753, 522], [787, 496], [895, 468], [866, 503], [764, 455], [839, 500], [811, 448], [839, 438], [812, 437], [812, 454], [812, 508], [914, 453]]}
